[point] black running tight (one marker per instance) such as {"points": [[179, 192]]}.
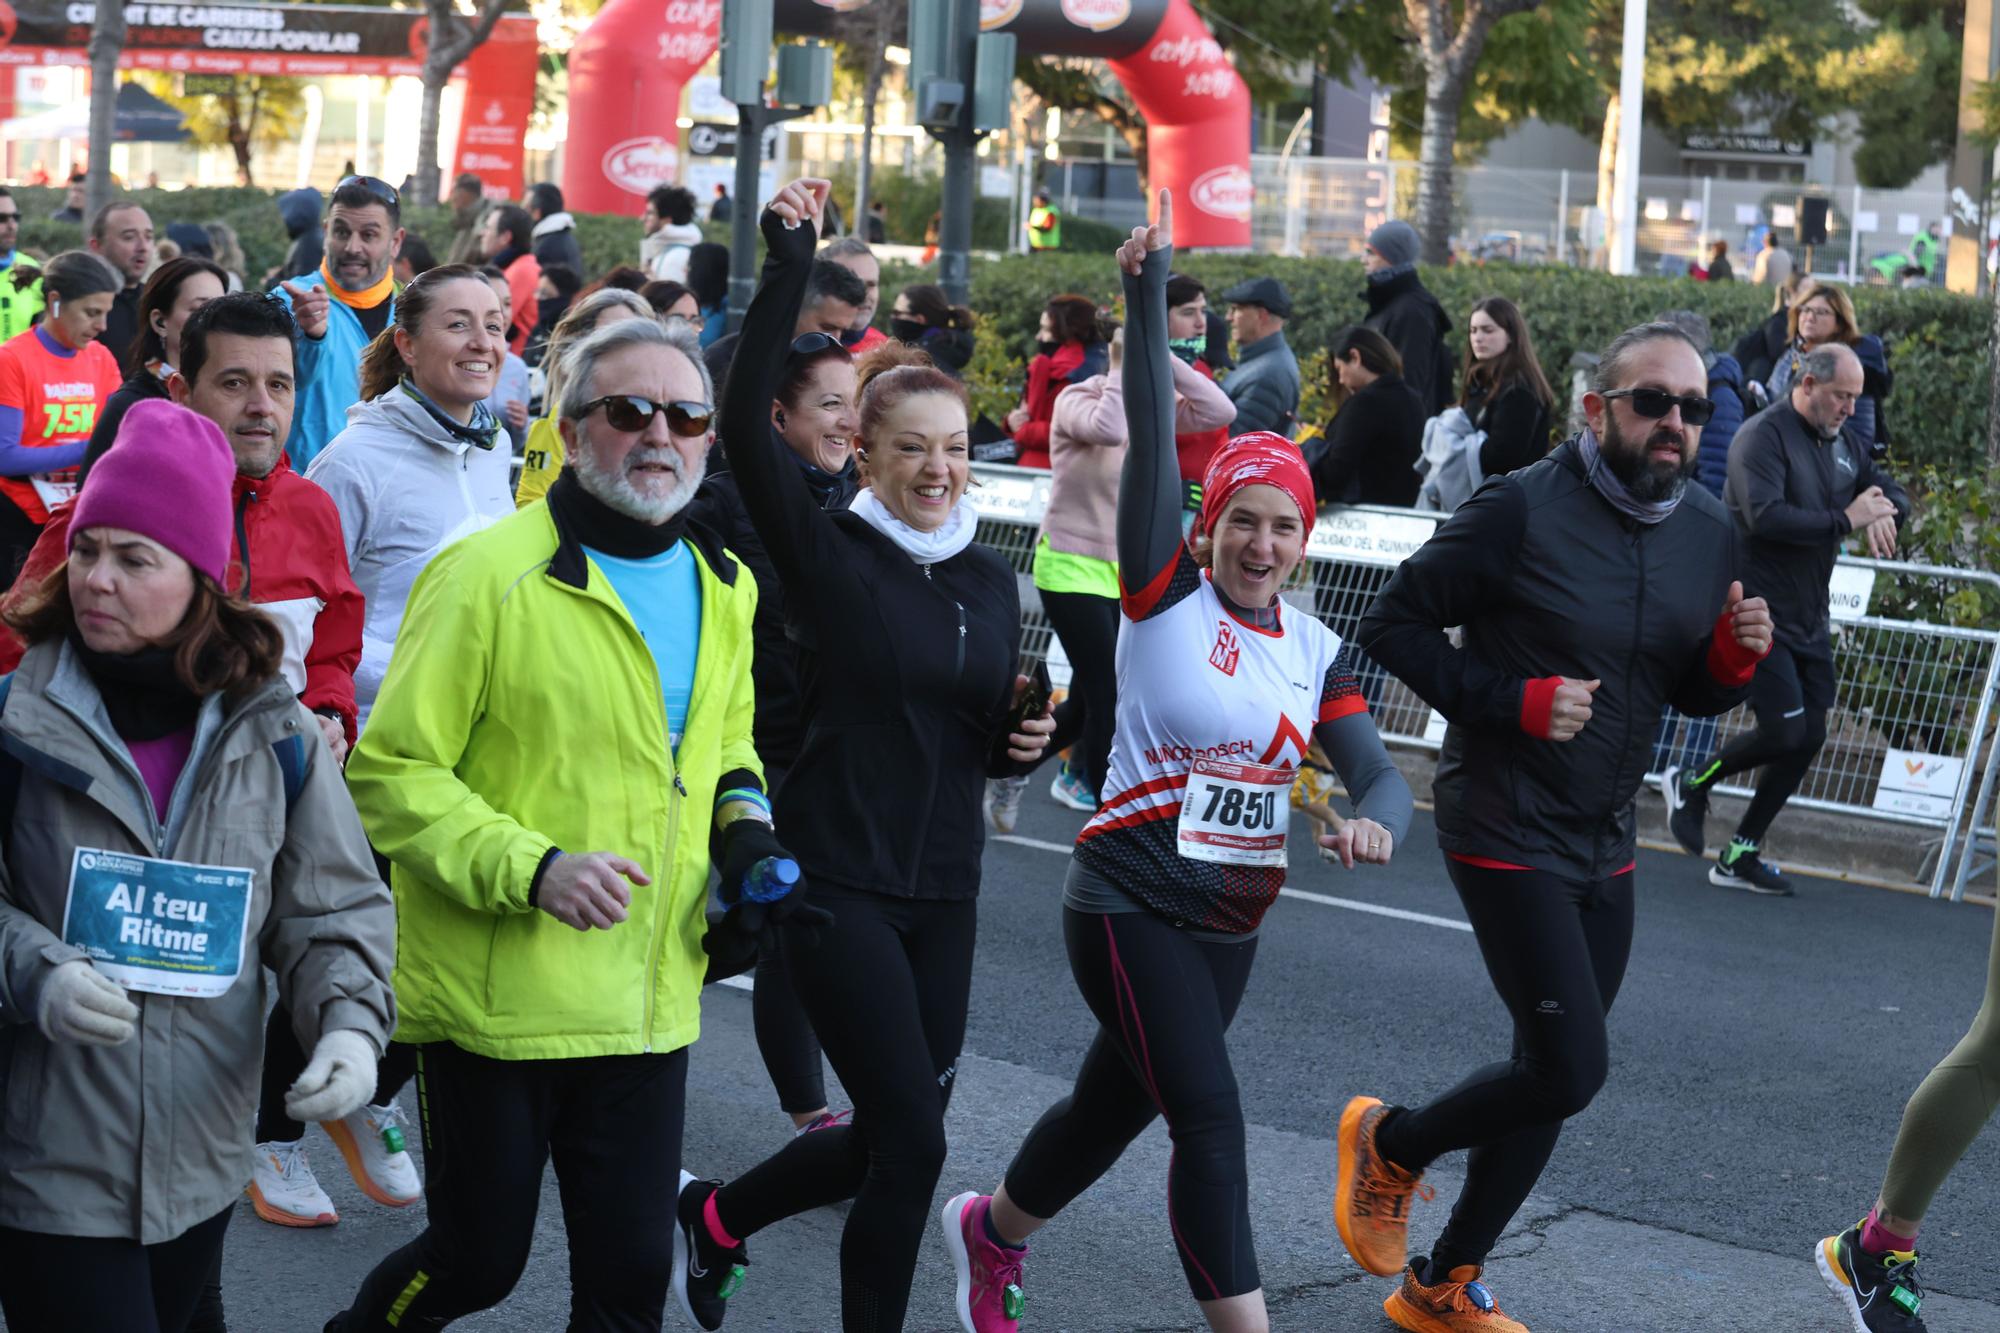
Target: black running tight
{"points": [[60, 1284], [1556, 951], [886, 986], [1790, 696], [1163, 1002], [1087, 625]]}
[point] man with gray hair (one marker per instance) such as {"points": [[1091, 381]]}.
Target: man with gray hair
{"points": [[1594, 586], [1799, 485], [553, 844], [852, 253]]}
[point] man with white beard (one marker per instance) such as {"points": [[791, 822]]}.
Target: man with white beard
{"points": [[564, 730]]}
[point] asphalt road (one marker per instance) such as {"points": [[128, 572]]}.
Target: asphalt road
{"points": [[1762, 1051]]}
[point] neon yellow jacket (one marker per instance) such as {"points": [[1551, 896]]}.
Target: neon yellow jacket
{"points": [[522, 712], [541, 461]]}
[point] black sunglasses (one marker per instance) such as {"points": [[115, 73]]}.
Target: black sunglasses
{"points": [[10, 217], [806, 344], [377, 189], [1656, 403], [632, 414]]}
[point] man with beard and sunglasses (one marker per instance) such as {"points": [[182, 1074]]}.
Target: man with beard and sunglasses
{"points": [[1798, 486], [1593, 586], [551, 846]]}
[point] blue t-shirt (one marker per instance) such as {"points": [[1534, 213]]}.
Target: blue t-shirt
{"points": [[662, 594]]}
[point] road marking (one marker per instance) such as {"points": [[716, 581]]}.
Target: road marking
{"points": [[1324, 900], [740, 983]]}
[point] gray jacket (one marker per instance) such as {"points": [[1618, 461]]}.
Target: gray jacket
{"points": [[1264, 386], [143, 1140]]}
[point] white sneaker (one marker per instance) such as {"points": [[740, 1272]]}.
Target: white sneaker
{"points": [[1003, 802], [283, 1190], [371, 1141]]}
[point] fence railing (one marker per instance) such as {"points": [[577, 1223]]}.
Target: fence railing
{"points": [[1914, 700]]}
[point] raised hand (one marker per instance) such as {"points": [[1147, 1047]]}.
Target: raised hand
{"points": [[1132, 254], [803, 200]]}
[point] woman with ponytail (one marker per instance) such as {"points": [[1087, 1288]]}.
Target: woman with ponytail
{"points": [[417, 467]]}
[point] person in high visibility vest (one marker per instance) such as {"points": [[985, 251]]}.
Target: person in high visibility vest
{"points": [[1044, 224]]}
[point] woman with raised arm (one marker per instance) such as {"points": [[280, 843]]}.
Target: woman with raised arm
{"points": [[1219, 688], [906, 634]]}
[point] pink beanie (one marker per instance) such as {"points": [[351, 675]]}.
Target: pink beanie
{"points": [[167, 476]]}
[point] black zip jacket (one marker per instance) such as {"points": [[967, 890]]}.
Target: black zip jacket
{"points": [[1789, 492], [905, 670], [1516, 425], [1549, 580], [780, 727], [1404, 311], [1372, 447]]}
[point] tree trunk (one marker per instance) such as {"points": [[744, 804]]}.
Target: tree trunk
{"points": [[451, 41], [107, 41], [427, 134], [1607, 182], [1442, 95], [864, 171]]}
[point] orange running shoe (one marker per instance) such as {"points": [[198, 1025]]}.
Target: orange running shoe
{"points": [[1371, 1196], [1460, 1304]]}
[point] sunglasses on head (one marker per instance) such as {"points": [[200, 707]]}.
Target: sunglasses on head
{"points": [[1656, 403], [377, 189], [632, 414], [806, 344]]}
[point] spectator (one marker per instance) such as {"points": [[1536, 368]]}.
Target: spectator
{"points": [[413, 259], [417, 467], [542, 455], [554, 291], [668, 233], [165, 249], [1774, 262], [1718, 262], [54, 380], [834, 300], [723, 209], [708, 279], [1506, 394], [933, 232], [20, 280], [227, 250], [176, 290], [1757, 351], [300, 210], [1216, 350], [509, 399], [922, 317], [1187, 339], [853, 254], [555, 230], [1069, 346], [1044, 225], [341, 308], [1371, 445], [75, 199], [192, 238], [1402, 309], [506, 244], [670, 300], [1824, 314], [10, 229], [122, 235], [1265, 384], [468, 219], [878, 223], [625, 277]]}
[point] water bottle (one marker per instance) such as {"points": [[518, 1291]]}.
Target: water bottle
{"points": [[770, 879]]}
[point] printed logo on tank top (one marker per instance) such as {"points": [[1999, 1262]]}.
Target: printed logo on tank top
{"points": [[1226, 651], [1286, 732]]}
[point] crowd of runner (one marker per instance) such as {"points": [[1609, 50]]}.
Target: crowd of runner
{"points": [[337, 753]]}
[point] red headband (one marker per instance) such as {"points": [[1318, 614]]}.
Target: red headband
{"points": [[1260, 458]]}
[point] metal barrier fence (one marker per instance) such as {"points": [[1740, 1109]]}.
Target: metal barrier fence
{"points": [[1914, 699]]}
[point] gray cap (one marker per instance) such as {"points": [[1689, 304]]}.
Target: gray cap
{"points": [[1395, 240], [1266, 292]]}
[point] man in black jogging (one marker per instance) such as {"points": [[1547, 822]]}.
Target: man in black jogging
{"points": [[1798, 487]]}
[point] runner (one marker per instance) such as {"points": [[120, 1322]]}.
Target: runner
{"points": [[173, 825], [907, 636], [1172, 878], [54, 379], [1593, 587]]}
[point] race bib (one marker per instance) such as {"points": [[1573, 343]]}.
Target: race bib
{"points": [[1236, 814], [162, 927], [53, 487]]}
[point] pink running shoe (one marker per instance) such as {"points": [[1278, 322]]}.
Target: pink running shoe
{"points": [[989, 1275]]}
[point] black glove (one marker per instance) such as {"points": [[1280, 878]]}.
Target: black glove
{"points": [[745, 842]]}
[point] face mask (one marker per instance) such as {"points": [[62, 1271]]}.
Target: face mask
{"points": [[1187, 349], [906, 330], [1047, 346]]}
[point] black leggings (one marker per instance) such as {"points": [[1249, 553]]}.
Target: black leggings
{"points": [[784, 1033], [1790, 695], [57, 1284], [1164, 1002], [1088, 627], [1556, 951], [886, 986], [612, 1125], [285, 1060]]}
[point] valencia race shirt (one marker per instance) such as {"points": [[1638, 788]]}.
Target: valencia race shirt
{"points": [[51, 396]]}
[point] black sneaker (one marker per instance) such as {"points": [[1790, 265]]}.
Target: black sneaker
{"points": [[1880, 1292], [1739, 867], [1687, 810], [705, 1274]]}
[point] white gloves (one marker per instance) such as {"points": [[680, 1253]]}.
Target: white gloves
{"points": [[338, 1080], [80, 1004]]}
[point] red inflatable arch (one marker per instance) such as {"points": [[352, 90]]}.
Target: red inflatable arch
{"points": [[627, 70]]}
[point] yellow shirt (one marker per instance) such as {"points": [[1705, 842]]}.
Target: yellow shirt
{"points": [[541, 462]]}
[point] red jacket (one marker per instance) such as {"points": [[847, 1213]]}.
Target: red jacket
{"points": [[1048, 376], [297, 575], [1194, 448]]}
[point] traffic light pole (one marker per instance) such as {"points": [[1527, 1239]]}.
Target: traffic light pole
{"points": [[751, 122], [960, 142]]}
